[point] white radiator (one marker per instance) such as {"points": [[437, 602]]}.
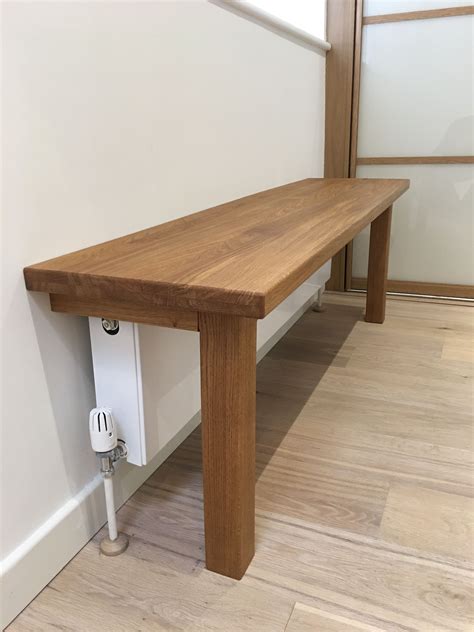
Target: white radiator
{"points": [[150, 375]]}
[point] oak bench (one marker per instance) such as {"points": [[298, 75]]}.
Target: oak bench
{"points": [[217, 272]]}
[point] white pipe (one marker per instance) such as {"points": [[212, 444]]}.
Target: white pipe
{"points": [[319, 299], [110, 506]]}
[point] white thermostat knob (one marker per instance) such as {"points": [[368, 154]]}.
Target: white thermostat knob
{"points": [[102, 430]]}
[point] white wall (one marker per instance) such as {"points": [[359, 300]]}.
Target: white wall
{"points": [[118, 116]]}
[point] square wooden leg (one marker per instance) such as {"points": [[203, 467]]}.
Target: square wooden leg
{"points": [[378, 267], [228, 399]]}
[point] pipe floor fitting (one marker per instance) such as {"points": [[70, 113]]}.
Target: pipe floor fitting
{"points": [[114, 547]]}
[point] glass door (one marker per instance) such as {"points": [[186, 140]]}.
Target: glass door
{"points": [[416, 116]]}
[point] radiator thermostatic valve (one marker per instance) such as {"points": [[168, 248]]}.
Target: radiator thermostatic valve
{"points": [[109, 449], [102, 430]]}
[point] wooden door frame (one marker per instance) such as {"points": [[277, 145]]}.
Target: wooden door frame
{"points": [[343, 66], [344, 31]]}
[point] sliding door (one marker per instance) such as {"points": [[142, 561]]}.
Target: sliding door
{"points": [[415, 120]]}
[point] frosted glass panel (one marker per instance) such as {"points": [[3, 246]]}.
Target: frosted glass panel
{"points": [[378, 7], [432, 237], [416, 94]]}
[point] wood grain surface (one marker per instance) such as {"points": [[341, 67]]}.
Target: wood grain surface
{"points": [[451, 521], [427, 14], [348, 255], [307, 619], [363, 434], [355, 106], [240, 258], [151, 315], [378, 267], [228, 378], [416, 160], [339, 69]]}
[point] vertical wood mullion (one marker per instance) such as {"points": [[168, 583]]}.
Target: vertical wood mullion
{"points": [[341, 15], [354, 124]]}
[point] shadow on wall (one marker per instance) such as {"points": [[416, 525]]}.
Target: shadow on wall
{"points": [[64, 346], [287, 378]]}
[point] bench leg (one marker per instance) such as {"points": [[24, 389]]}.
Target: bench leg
{"points": [[378, 267], [228, 398]]}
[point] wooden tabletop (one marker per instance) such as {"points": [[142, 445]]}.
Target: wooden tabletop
{"points": [[242, 258]]}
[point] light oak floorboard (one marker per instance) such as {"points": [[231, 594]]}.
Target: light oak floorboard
{"points": [[363, 495], [457, 348], [430, 520], [361, 578], [307, 619]]}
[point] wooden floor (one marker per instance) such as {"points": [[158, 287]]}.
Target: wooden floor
{"points": [[364, 495]]}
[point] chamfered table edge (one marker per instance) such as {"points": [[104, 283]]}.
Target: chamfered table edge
{"points": [[156, 294]]}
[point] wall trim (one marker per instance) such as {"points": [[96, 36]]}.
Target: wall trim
{"points": [[344, 21], [248, 10], [421, 288], [428, 14], [33, 564], [415, 160]]}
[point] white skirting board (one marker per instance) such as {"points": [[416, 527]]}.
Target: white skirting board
{"points": [[29, 568]]}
